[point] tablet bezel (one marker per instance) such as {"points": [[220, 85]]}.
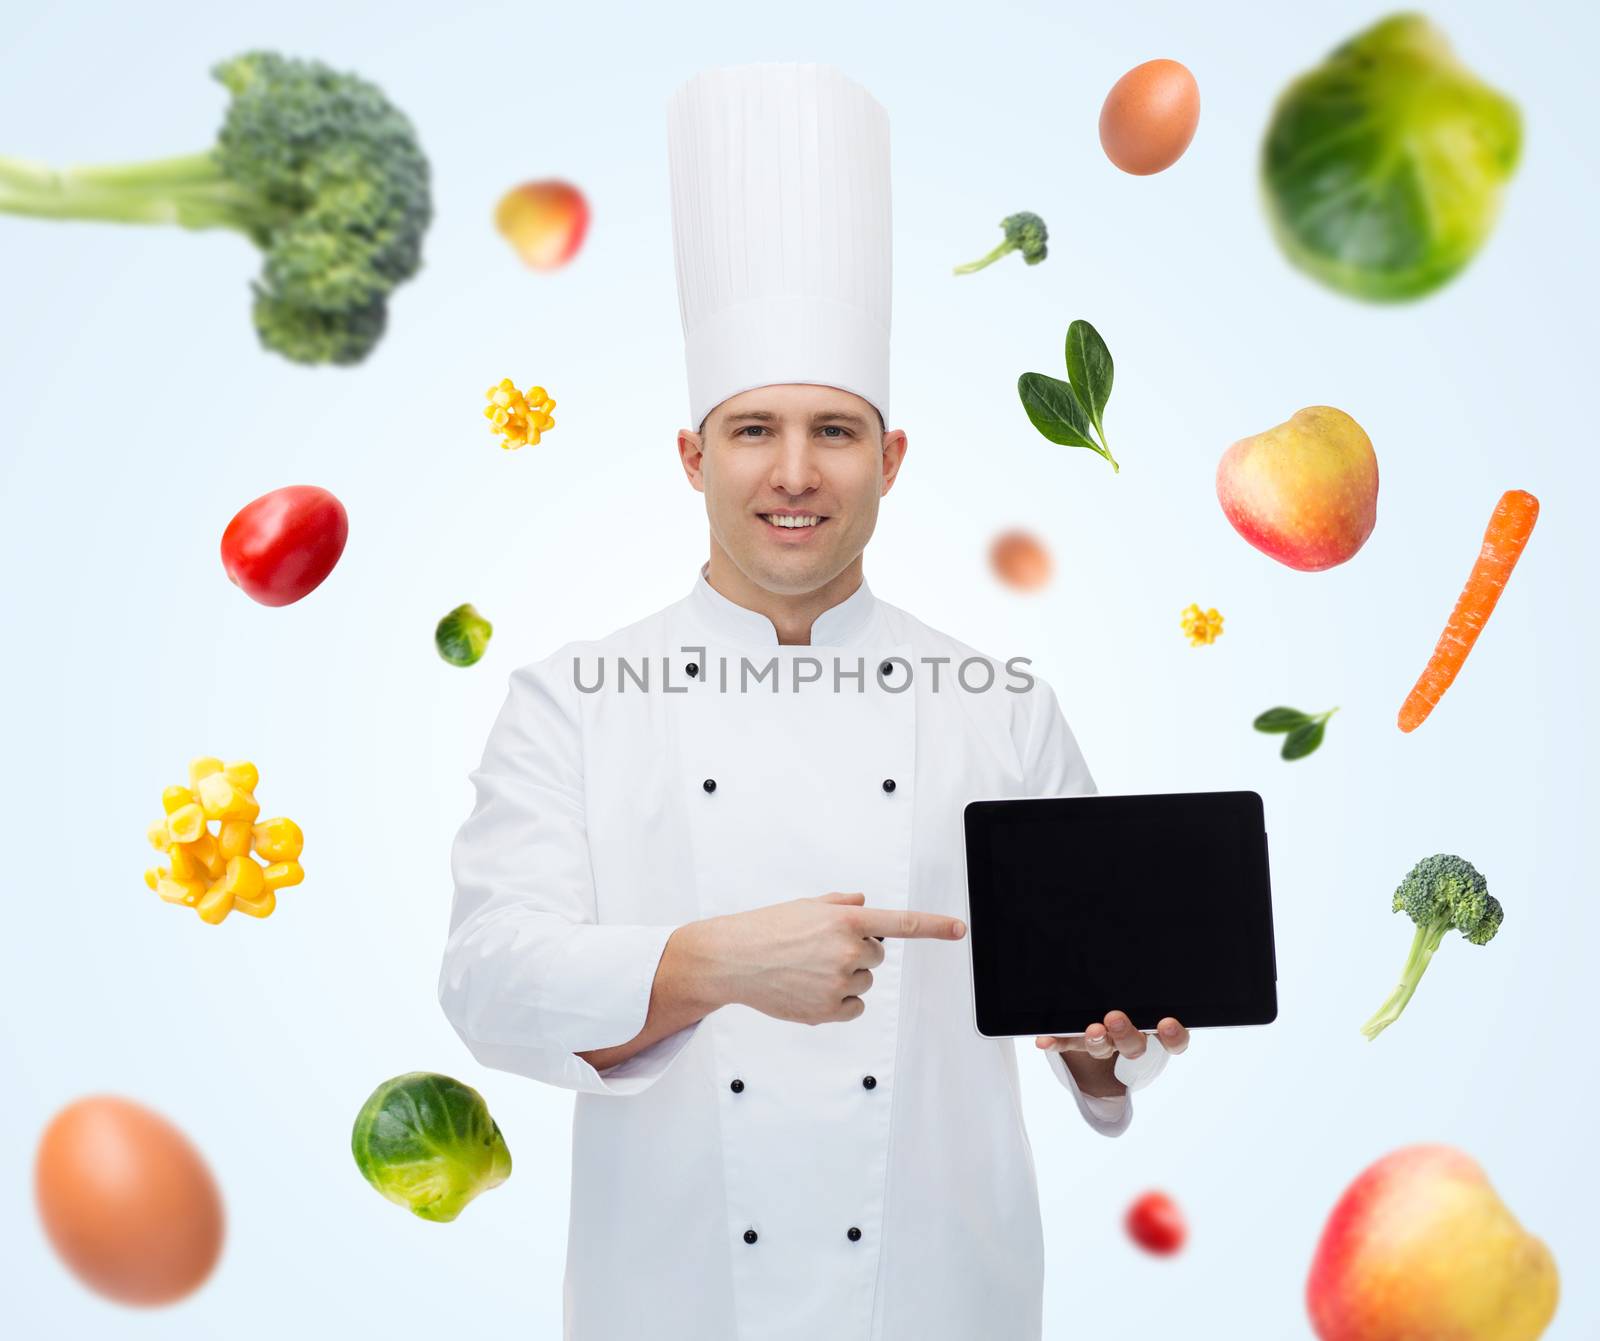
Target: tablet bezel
{"points": [[1195, 1014]]}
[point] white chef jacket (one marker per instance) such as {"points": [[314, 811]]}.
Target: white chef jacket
{"points": [[747, 1178]]}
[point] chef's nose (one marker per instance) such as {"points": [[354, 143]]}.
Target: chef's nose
{"points": [[794, 469]]}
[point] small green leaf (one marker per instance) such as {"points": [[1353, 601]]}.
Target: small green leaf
{"points": [[1090, 368], [1054, 408], [1281, 719], [1302, 740]]}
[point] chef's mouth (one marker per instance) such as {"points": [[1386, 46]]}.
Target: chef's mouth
{"points": [[791, 526]]}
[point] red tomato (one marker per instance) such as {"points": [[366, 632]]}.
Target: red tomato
{"points": [[1155, 1224], [280, 547]]}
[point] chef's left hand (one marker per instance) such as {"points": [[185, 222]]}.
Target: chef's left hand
{"points": [[1093, 1057]]}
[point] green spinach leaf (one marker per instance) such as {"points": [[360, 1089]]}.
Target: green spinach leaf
{"points": [[1055, 410], [1281, 719], [1302, 740], [1090, 368], [1070, 412]]}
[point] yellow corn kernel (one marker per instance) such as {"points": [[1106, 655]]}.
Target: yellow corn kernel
{"points": [[185, 865], [223, 800], [217, 794], [173, 797], [1200, 626], [278, 839], [213, 871], [234, 841], [244, 878], [243, 775], [186, 892], [215, 904], [204, 850], [202, 768], [186, 823], [519, 419], [261, 907]]}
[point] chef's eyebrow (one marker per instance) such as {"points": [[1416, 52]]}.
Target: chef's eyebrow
{"points": [[821, 417]]}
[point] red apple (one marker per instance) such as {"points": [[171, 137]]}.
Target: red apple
{"points": [[544, 221], [1304, 492], [1420, 1245]]}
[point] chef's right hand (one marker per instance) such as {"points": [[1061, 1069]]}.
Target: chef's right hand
{"points": [[810, 960]]}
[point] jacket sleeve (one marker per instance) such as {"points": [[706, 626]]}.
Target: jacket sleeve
{"points": [[1111, 1116], [1053, 765], [530, 976]]}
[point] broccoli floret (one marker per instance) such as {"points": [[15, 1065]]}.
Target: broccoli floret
{"points": [[316, 167], [1025, 233], [1493, 916], [316, 336], [1440, 893]]}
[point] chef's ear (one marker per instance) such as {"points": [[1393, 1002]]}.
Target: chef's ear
{"points": [[894, 452], [691, 453]]}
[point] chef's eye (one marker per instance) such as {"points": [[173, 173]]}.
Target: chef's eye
{"points": [[831, 429]]}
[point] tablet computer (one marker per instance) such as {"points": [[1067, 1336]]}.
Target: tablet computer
{"points": [[1152, 905]]}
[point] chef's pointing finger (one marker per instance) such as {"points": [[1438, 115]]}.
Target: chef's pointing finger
{"points": [[904, 922], [857, 898]]}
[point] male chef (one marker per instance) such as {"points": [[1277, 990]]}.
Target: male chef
{"points": [[713, 881]]}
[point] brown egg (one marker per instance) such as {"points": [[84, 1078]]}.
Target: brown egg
{"points": [[1020, 561], [1149, 117], [127, 1201]]}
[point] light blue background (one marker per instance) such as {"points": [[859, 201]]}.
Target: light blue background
{"points": [[139, 415]]}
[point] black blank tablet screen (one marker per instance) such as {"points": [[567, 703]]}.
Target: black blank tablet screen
{"points": [[1154, 905]]}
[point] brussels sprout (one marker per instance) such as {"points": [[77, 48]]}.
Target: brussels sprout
{"points": [[462, 636], [427, 1142], [1384, 166]]}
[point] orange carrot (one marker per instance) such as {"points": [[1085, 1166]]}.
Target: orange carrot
{"points": [[1509, 529]]}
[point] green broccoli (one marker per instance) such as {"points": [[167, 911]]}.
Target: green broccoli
{"points": [[316, 167], [1439, 894], [1025, 233]]}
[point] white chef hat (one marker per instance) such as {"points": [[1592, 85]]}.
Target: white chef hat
{"points": [[781, 231]]}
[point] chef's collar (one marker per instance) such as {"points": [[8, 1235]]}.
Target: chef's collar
{"points": [[841, 625]]}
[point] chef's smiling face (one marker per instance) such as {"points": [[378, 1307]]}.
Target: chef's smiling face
{"points": [[792, 476]]}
